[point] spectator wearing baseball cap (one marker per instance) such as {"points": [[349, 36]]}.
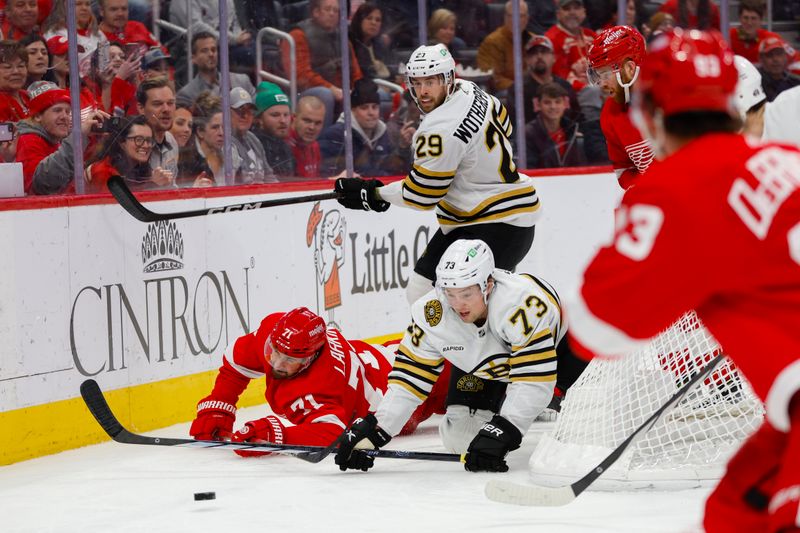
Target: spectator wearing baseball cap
{"points": [[58, 48], [45, 146], [539, 61], [373, 153], [272, 121], [775, 76], [14, 100], [156, 63], [255, 167]]}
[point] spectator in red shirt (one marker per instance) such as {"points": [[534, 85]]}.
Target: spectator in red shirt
{"points": [[21, 19], [45, 146], [126, 153], [746, 38], [45, 6], [117, 28], [13, 73], [319, 62], [571, 42], [700, 14], [303, 135]]}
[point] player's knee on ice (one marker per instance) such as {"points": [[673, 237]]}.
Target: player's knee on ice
{"points": [[459, 426]]}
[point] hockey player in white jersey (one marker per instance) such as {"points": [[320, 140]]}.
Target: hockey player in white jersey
{"points": [[463, 168], [490, 324]]}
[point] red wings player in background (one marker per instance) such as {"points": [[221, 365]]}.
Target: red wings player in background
{"points": [[316, 379], [614, 61], [714, 227]]}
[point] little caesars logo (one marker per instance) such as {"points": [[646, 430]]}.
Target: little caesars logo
{"points": [[162, 247]]}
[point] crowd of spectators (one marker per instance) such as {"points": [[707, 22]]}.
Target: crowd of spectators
{"points": [[144, 118]]}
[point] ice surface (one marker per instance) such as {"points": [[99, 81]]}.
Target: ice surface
{"points": [[118, 488]]}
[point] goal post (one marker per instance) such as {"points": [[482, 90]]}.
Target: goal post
{"points": [[688, 447]]}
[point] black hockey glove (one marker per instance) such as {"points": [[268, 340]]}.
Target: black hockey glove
{"points": [[363, 428], [357, 193], [487, 451]]}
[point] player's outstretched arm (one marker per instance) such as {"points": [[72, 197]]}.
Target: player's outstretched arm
{"points": [[364, 433]]}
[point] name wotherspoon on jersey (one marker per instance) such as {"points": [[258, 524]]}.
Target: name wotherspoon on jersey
{"points": [[474, 119]]}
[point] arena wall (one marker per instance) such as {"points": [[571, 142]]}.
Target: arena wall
{"points": [[148, 309]]}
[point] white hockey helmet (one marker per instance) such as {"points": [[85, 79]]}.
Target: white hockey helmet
{"points": [[465, 263], [430, 61], [748, 89]]}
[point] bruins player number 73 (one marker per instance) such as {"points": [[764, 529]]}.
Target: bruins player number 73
{"points": [[501, 332]]}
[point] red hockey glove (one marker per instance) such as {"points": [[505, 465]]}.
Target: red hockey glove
{"points": [[267, 429], [214, 420]]}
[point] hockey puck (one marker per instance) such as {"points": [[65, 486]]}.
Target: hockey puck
{"points": [[198, 496]]}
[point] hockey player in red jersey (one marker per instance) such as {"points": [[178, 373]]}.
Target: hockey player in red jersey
{"points": [[615, 58], [732, 207], [316, 379]]}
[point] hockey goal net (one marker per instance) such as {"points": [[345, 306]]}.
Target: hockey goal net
{"points": [[688, 447]]}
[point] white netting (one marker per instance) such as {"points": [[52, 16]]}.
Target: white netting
{"points": [[687, 447]]}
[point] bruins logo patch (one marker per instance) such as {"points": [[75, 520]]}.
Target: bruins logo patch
{"points": [[469, 383], [433, 312]]}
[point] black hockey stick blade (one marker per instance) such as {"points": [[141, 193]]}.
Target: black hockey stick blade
{"points": [[98, 406], [128, 201], [537, 496]]}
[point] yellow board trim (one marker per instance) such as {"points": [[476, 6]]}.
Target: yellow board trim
{"points": [[54, 427]]}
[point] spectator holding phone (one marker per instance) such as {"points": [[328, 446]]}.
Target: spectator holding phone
{"points": [[126, 152], [44, 146], [13, 73], [38, 57], [124, 67]]}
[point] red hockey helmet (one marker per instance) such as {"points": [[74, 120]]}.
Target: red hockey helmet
{"points": [[689, 70], [614, 45], [295, 341]]}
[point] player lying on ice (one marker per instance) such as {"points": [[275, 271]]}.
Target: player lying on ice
{"points": [[744, 276], [499, 331], [316, 379]]}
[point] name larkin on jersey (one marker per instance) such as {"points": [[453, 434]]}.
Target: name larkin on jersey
{"points": [[472, 122], [336, 351]]}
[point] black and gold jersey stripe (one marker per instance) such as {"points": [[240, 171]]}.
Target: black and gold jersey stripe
{"points": [[518, 200]]}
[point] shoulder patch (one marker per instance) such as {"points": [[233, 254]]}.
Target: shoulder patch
{"points": [[433, 312]]}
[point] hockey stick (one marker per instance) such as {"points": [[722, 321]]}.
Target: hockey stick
{"points": [[534, 495], [128, 201], [98, 406]]}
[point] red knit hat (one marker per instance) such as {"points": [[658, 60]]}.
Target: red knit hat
{"points": [[44, 94]]}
